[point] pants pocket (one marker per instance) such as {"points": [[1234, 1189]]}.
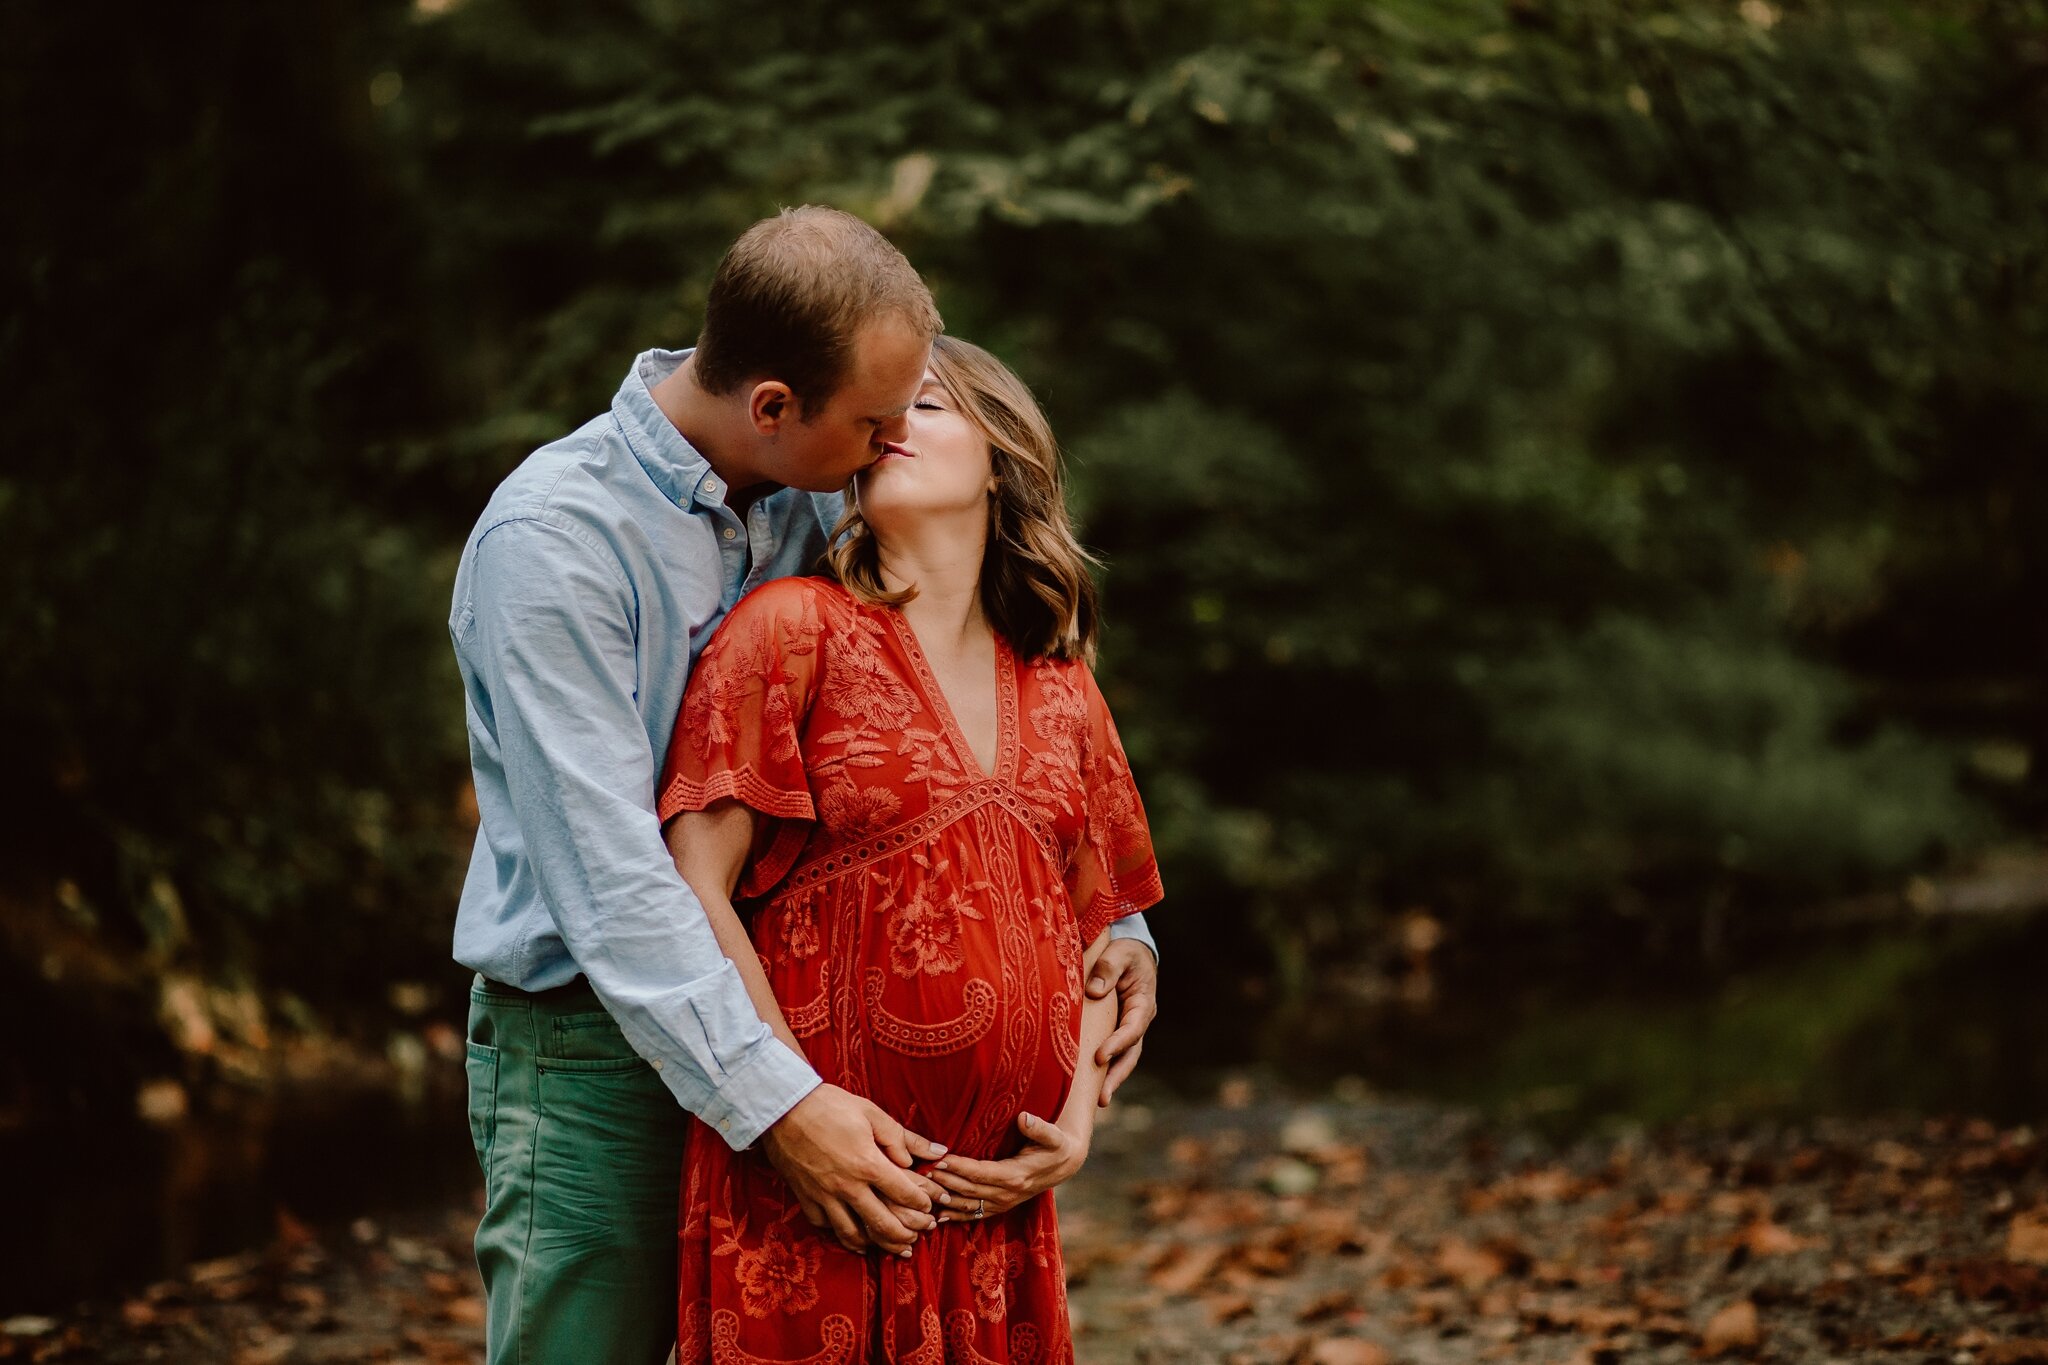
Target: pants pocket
{"points": [[586, 1040], [482, 1068], [608, 1165]]}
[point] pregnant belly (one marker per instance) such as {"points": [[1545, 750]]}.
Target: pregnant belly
{"points": [[959, 1061], [954, 1045]]}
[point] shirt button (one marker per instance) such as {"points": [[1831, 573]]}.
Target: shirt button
{"points": [[710, 485], [656, 1064], [731, 534]]}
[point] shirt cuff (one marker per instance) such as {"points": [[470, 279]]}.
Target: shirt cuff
{"points": [[1134, 927], [765, 1085]]}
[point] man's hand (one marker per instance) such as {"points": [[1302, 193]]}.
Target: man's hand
{"points": [[983, 1189], [848, 1163], [1129, 967]]}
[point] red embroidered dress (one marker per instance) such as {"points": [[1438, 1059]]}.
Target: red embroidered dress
{"points": [[922, 923]]}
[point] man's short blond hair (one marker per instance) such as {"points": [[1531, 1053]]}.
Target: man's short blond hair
{"points": [[791, 295]]}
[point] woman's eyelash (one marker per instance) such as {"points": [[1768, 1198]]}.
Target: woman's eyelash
{"points": [[927, 403]]}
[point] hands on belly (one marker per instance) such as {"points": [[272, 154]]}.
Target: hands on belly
{"points": [[849, 1165], [983, 1189]]}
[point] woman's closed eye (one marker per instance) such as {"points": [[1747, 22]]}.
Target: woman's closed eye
{"points": [[928, 405]]}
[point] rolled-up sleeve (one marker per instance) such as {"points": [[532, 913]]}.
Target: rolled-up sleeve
{"points": [[551, 643], [1134, 927]]}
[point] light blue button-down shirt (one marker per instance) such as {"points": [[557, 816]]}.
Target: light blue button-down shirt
{"points": [[597, 572]]}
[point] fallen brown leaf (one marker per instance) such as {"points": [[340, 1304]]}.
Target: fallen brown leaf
{"points": [[1735, 1328], [1347, 1351], [2026, 1240], [1664, 1326], [2022, 1286], [1180, 1270], [1227, 1307], [1601, 1322], [1656, 1300], [1471, 1266], [2019, 1351], [1327, 1306], [1765, 1238]]}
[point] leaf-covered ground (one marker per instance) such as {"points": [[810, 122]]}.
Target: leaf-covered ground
{"points": [[1261, 1228], [1347, 1234]]}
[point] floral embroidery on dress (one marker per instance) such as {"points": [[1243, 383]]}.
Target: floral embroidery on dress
{"points": [[1061, 720], [1061, 716], [780, 1275], [924, 931], [711, 710], [800, 928], [860, 685], [996, 1261], [854, 811], [932, 761], [1116, 825]]}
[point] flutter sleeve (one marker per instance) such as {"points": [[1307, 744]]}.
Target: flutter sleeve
{"points": [[738, 733], [1113, 873]]}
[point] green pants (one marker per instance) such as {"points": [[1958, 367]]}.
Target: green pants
{"points": [[582, 1153]]}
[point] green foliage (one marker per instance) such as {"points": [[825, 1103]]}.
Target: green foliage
{"points": [[1514, 432], [1549, 454], [225, 683]]}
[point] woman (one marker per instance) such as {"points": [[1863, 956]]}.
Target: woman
{"points": [[909, 777]]}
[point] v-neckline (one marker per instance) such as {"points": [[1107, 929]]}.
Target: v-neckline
{"points": [[935, 697]]}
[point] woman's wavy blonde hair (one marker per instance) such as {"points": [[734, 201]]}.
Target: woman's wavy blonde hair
{"points": [[1036, 589]]}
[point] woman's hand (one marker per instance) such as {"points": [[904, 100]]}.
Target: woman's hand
{"points": [[983, 1189]]}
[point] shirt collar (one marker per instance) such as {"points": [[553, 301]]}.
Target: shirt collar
{"points": [[676, 467]]}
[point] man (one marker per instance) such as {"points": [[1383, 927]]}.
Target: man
{"points": [[602, 1001]]}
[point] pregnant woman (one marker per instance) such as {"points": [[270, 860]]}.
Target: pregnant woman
{"points": [[906, 778]]}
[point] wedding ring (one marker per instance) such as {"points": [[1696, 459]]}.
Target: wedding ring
{"points": [[980, 1207]]}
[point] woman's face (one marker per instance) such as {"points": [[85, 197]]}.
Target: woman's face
{"points": [[940, 469]]}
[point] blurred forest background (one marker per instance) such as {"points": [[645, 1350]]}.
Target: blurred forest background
{"points": [[1570, 470]]}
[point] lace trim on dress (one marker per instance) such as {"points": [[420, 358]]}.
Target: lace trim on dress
{"points": [[1125, 896], [931, 1349], [1065, 1041], [935, 701], [930, 1040], [807, 1020], [682, 793], [960, 1340], [988, 791], [838, 1336]]}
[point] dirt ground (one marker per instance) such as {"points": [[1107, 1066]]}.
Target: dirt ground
{"points": [[1256, 1227]]}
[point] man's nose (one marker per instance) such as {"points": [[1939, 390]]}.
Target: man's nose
{"points": [[896, 429]]}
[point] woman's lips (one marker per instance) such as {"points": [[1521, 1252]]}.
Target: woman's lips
{"points": [[891, 448]]}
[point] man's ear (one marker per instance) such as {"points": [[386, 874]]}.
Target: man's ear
{"points": [[770, 405]]}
